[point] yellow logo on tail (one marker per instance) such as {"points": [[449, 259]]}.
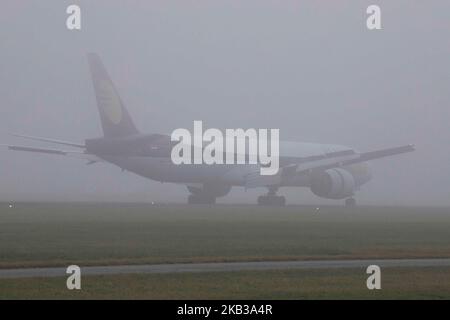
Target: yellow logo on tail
{"points": [[110, 102]]}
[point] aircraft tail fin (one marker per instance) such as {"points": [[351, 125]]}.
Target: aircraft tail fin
{"points": [[116, 121]]}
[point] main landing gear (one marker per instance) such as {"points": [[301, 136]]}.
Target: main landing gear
{"points": [[271, 199], [201, 199], [350, 202], [208, 193]]}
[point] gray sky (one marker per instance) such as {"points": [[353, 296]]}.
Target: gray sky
{"points": [[310, 68]]}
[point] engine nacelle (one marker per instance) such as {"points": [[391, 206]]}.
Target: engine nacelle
{"points": [[333, 184]]}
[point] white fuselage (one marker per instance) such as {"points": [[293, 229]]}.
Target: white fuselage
{"points": [[162, 168]]}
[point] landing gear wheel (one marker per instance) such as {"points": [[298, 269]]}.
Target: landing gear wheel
{"points": [[350, 202], [198, 199], [272, 200]]}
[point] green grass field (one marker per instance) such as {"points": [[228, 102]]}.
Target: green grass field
{"points": [[397, 283], [92, 234]]}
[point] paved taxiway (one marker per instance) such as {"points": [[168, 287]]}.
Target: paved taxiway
{"points": [[223, 267]]}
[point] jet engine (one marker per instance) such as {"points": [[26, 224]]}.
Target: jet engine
{"points": [[334, 183]]}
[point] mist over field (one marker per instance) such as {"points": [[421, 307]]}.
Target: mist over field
{"points": [[309, 68]]}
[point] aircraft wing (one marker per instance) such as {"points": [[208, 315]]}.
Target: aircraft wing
{"points": [[356, 158], [73, 154], [304, 165]]}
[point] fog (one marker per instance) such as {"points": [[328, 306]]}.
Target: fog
{"points": [[310, 68]]}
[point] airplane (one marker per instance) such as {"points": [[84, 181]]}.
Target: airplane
{"points": [[329, 171]]}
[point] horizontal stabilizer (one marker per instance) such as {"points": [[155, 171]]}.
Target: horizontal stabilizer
{"points": [[66, 143], [72, 154], [40, 150]]}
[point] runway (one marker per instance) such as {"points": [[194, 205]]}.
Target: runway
{"points": [[221, 267]]}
